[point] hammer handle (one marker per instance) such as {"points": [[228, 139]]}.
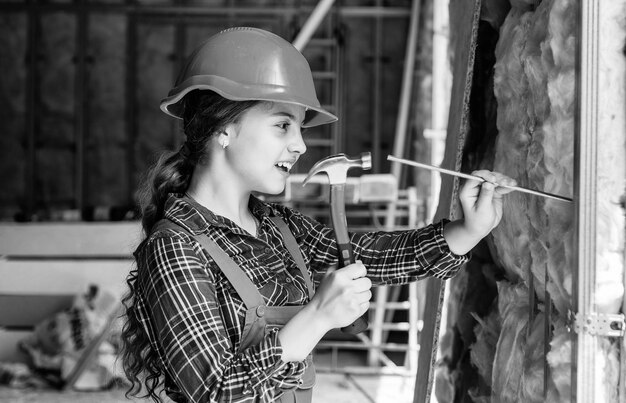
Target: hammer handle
{"points": [[346, 255], [358, 326]]}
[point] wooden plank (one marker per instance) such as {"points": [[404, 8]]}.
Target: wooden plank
{"points": [[9, 351], [69, 239], [23, 311], [87, 356], [458, 126], [50, 277]]}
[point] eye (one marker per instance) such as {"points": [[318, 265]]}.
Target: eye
{"points": [[283, 125]]}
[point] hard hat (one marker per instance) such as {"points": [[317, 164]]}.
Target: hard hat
{"points": [[243, 64]]}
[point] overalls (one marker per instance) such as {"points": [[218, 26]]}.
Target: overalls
{"points": [[260, 318]]}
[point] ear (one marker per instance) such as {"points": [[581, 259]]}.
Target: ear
{"points": [[223, 138]]}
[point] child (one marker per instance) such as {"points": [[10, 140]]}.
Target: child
{"points": [[222, 306]]}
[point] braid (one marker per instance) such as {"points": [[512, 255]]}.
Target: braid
{"points": [[170, 174]]}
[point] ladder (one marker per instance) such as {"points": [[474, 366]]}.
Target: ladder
{"points": [[328, 78], [411, 211]]}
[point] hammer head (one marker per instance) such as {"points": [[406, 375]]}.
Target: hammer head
{"points": [[337, 166]]}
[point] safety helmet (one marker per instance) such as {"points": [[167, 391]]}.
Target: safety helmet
{"points": [[244, 64]]}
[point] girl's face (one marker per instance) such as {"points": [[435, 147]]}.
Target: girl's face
{"points": [[265, 144]]}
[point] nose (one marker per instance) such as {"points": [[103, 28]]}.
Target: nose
{"points": [[297, 145]]}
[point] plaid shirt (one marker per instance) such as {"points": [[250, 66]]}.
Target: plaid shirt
{"points": [[194, 318]]}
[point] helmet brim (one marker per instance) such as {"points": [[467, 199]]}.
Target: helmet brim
{"points": [[235, 91]]}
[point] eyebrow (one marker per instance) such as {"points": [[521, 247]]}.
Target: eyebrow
{"points": [[287, 114], [282, 113]]}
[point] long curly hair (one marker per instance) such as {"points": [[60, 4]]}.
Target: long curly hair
{"points": [[205, 113]]}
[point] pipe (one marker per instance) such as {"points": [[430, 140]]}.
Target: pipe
{"points": [[405, 102], [311, 24]]}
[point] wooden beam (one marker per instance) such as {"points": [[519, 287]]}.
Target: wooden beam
{"points": [[70, 239], [176, 11], [63, 276], [81, 103], [458, 126]]}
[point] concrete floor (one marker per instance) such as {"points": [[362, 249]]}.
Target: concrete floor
{"points": [[332, 387]]}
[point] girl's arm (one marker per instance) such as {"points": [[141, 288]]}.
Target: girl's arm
{"points": [[391, 258], [398, 257]]}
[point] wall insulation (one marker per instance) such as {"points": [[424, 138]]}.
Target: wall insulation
{"points": [[494, 348], [12, 107]]}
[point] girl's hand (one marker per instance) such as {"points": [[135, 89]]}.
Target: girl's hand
{"points": [[482, 202], [343, 296], [482, 211]]}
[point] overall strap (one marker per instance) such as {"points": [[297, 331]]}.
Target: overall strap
{"points": [[240, 281], [294, 250]]}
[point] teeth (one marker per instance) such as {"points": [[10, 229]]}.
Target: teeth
{"points": [[286, 165]]}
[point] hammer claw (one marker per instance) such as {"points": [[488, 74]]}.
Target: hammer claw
{"points": [[337, 166]]}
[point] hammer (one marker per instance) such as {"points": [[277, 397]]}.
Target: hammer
{"points": [[337, 167]]}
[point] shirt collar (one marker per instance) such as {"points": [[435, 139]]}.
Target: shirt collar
{"points": [[194, 217]]}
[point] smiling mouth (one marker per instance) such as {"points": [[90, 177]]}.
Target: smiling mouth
{"points": [[284, 166]]}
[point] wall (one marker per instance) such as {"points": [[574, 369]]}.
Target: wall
{"points": [[517, 291]]}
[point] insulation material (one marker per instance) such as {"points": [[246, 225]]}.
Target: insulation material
{"points": [[13, 56], [513, 233], [56, 72], [534, 83], [469, 311], [106, 140], [560, 360], [446, 375], [518, 362], [483, 350], [155, 75], [55, 141]]}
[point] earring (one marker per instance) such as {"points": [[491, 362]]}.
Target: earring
{"points": [[223, 139]]}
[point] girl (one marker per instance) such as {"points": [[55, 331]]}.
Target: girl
{"points": [[230, 294]]}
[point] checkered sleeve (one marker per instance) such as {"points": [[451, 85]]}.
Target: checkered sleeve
{"points": [[395, 257], [401, 257], [179, 294]]}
